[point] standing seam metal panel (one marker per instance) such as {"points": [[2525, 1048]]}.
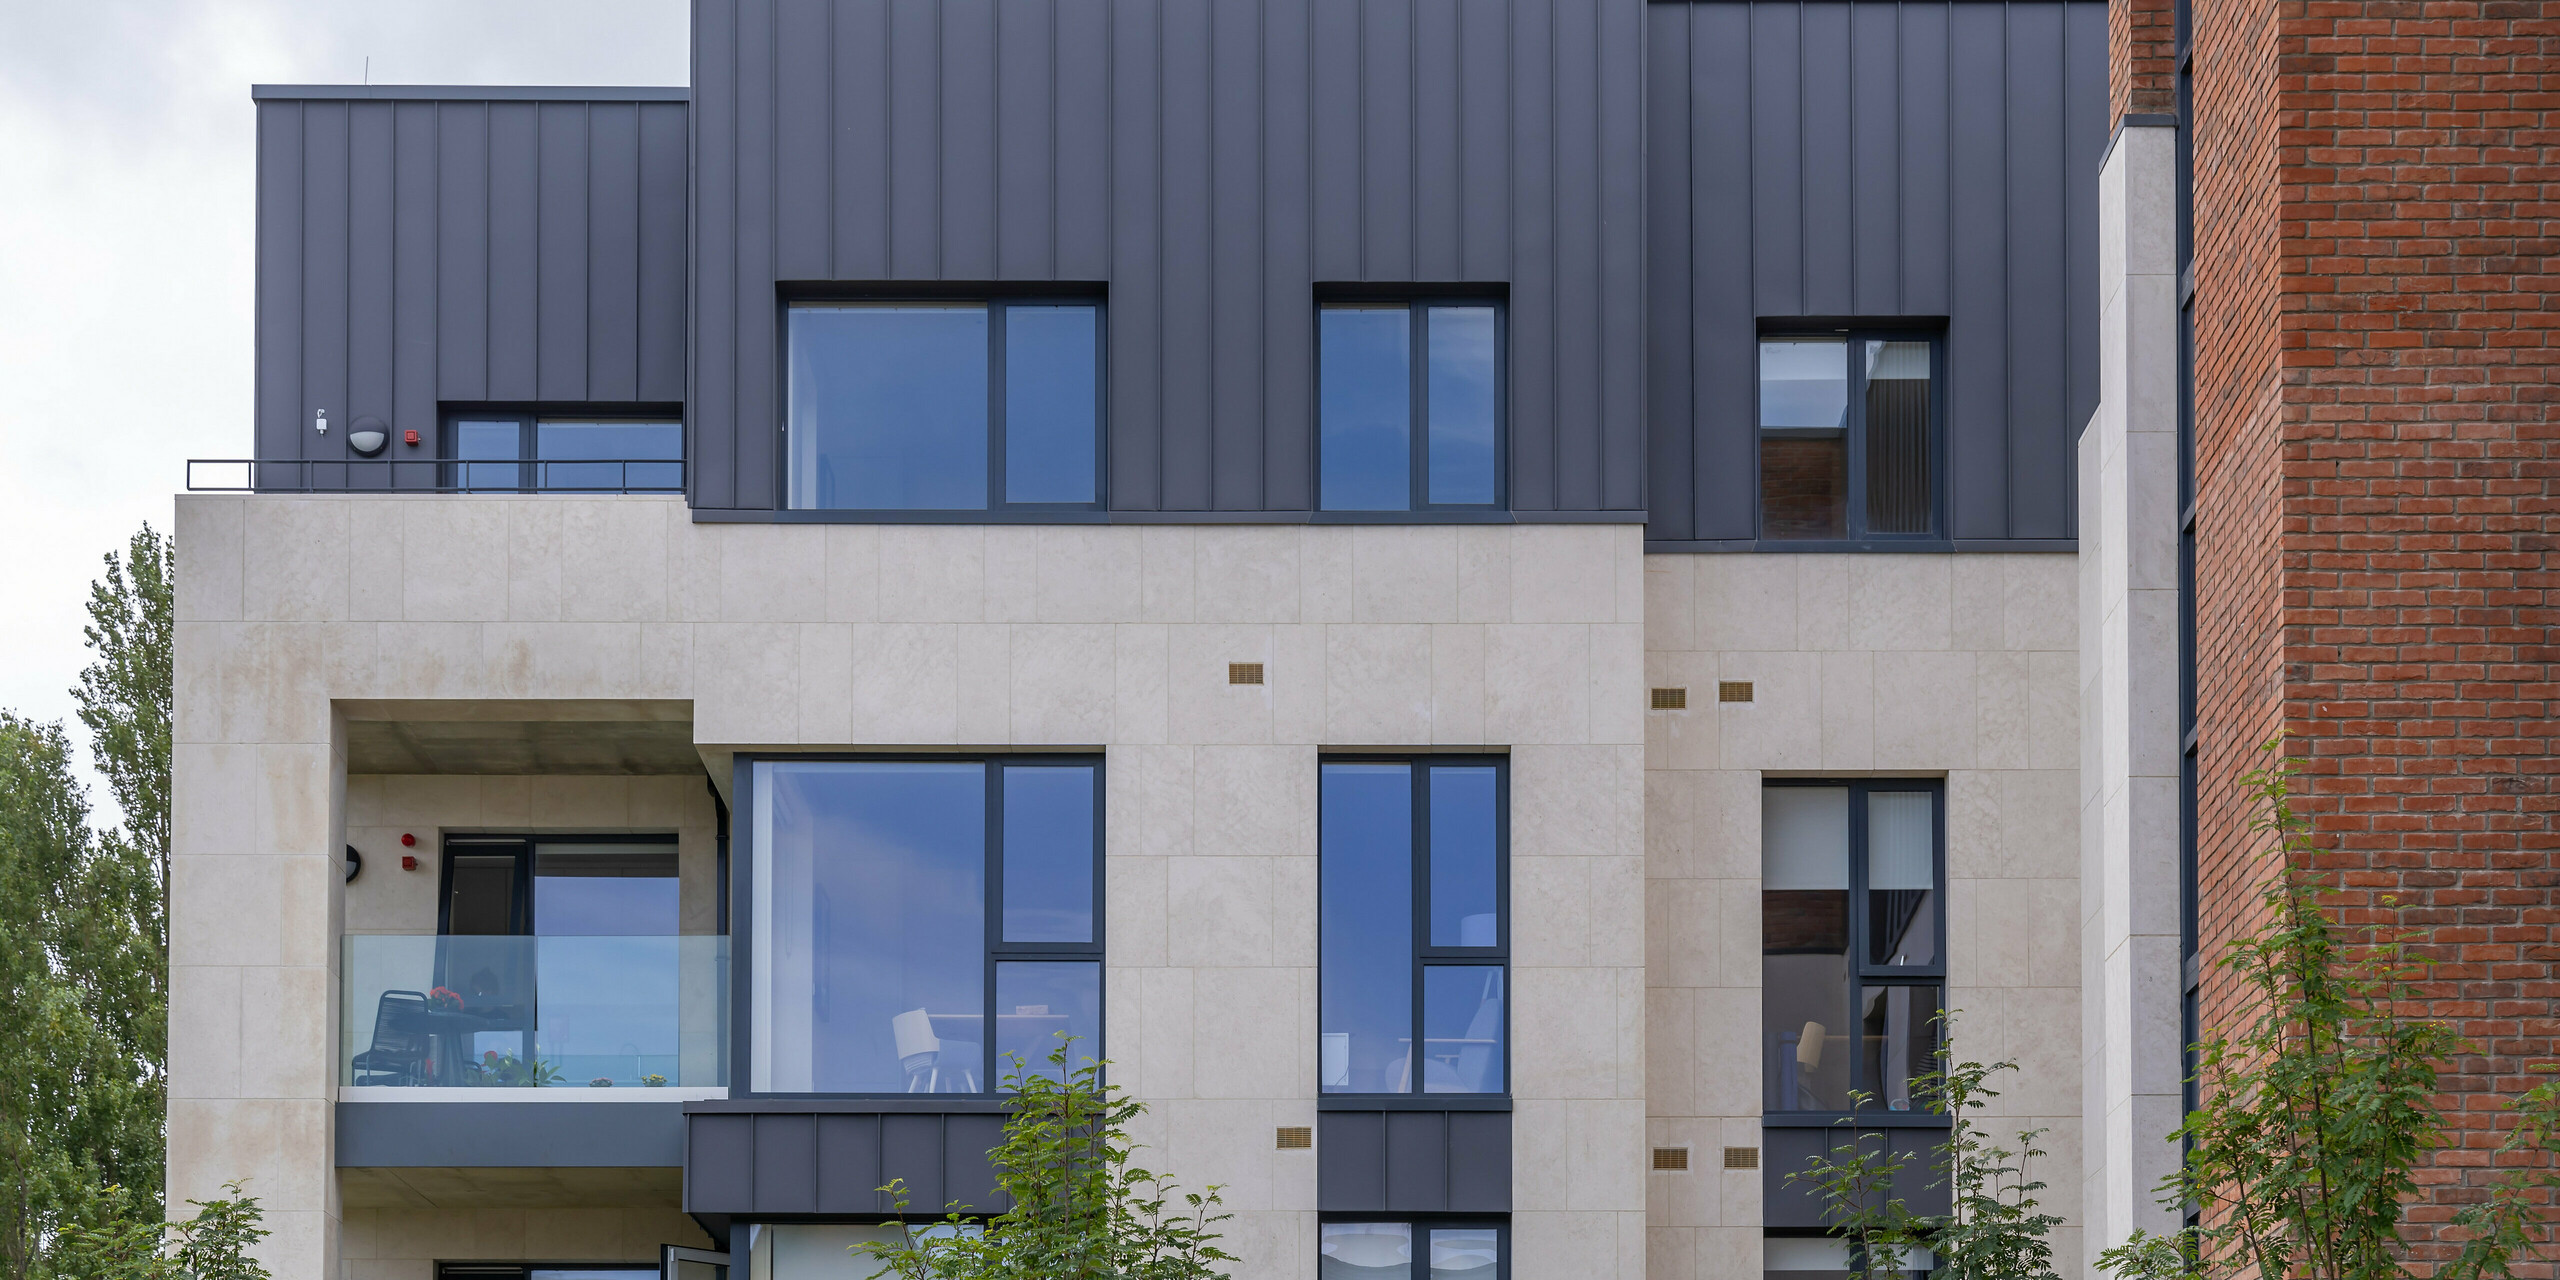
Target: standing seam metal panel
{"points": [[1877, 158], [416, 252], [1208, 164]]}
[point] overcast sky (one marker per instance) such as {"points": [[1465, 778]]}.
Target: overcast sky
{"points": [[125, 249]]}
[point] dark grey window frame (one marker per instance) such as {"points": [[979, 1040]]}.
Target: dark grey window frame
{"points": [[1851, 332], [521, 847], [742, 865], [466, 1270], [531, 476], [1424, 954], [996, 301], [1864, 974], [1417, 305], [1424, 1222]]}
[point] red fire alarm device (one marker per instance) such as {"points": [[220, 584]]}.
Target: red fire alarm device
{"points": [[409, 436], [408, 841], [408, 863]]}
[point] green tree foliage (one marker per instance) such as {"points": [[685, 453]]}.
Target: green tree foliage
{"points": [[1994, 1229], [1081, 1210], [83, 952], [130, 1243], [2318, 1109]]}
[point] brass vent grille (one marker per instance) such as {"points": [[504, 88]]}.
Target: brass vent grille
{"points": [[1244, 673], [1742, 1157], [1733, 691], [1670, 699], [1296, 1137], [1671, 1159]]}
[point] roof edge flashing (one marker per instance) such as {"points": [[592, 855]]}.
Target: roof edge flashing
{"points": [[467, 93]]}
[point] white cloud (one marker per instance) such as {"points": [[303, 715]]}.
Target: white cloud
{"points": [[126, 138]]}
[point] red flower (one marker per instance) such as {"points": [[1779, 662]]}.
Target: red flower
{"points": [[446, 998]]}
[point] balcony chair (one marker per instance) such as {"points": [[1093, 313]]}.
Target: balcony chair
{"points": [[398, 1055]]}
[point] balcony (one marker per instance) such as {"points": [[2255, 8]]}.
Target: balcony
{"points": [[434, 475], [505, 1015]]}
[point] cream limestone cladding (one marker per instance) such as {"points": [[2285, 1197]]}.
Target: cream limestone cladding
{"points": [[296, 613], [1963, 667]]}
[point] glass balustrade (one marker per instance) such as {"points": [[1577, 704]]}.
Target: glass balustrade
{"points": [[488, 1011]]}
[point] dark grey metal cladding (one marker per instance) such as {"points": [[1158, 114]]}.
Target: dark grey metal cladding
{"points": [[780, 1159], [1797, 1205], [1209, 164], [1408, 1161], [486, 245], [1927, 158], [491, 1135]]}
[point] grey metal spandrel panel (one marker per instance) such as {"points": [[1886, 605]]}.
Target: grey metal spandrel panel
{"points": [[803, 84], [1776, 230], [2084, 147], [1479, 1162], [849, 1178], [911, 1149], [1084, 137], [663, 318], [1333, 131], [278, 398], [1620, 393], [613, 252], [1532, 316], [1722, 195], [1797, 1205], [1351, 1161], [1575, 434], [462, 251], [561, 219], [324, 277], [1026, 116], [1829, 246], [515, 254], [1875, 160], [969, 1175], [1978, 324], [1417, 1162], [859, 86], [372, 236], [1668, 287], [757, 388], [711, 471], [413, 283], [1438, 228], [1386, 142], [2039, 442], [1184, 286], [1136, 452], [915, 139], [1287, 325], [1925, 149], [786, 1164], [968, 173], [1484, 123], [1235, 245], [719, 1164]]}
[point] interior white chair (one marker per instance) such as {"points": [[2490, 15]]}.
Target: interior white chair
{"points": [[921, 1053]]}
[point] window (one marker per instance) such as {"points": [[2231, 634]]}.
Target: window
{"points": [[946, 406], [1414, 944], [1852, 923], [1390, 441], [1820, 1257], [1412, 1250], [919, 922], [524, 452], [1847, 442], [545, 1271]]}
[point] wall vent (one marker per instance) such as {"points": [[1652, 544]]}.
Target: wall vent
{"points": [[1742, 1157], [1244, 673], [1733, 691], [1670, 699], [1296, 1137], [1671, 1159]]}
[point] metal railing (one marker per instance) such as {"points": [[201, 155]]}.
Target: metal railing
{"points": [[434, 475]]}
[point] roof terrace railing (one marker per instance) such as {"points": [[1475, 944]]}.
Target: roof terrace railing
{"points": [[435, 475]]}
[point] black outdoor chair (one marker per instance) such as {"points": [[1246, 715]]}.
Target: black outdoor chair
{"points": [[399, 1051]]}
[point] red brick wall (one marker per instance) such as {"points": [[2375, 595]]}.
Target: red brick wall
{"points": [[2142, 39], [2376, 202]]}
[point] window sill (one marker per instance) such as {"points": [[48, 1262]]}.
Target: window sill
{"points": [[1856, 1120], [1413, 1102], [839, 1105]]}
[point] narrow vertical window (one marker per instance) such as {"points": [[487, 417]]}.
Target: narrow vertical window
{"points": [[1804, 444], [1391, 437], [1414, 965], [1848, 437], [1052, 403]]}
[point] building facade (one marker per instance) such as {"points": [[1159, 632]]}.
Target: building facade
{"points": [[1500, 604]]}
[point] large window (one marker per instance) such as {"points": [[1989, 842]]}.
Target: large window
{"points": [[920, 923], [527, 452], [1848, 446], [1852, 935], [946, 406], [1425, 1249], [1414, 936], [1392, 439]]}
